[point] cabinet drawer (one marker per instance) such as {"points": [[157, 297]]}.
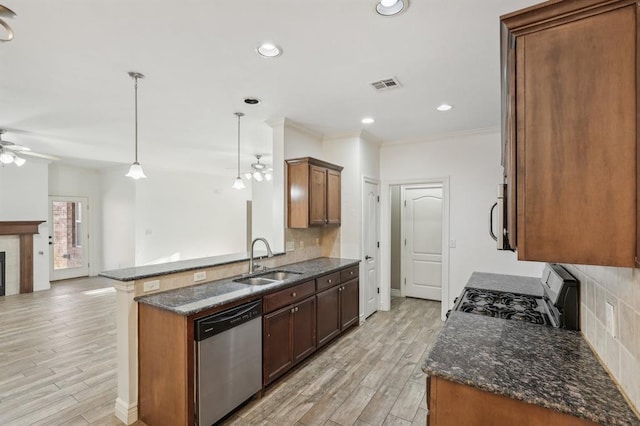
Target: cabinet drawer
{"points": [[288, 295], [328, 281], [349, 273]]}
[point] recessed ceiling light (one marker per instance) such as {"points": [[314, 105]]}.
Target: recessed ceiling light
{"points": [[391, 7], [368, 120], [252, 101], [269, 50], [444, 107]]}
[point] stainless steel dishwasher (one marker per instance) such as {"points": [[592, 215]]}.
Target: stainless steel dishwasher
{"points": [[228, 360]]}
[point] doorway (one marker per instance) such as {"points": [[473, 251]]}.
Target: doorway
{"points": [[418, 253], [371, 245], [69, 237]]}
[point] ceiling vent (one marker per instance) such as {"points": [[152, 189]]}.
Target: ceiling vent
{"points": [[386, 84]]}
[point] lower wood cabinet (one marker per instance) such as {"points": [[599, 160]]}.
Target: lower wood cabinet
{"points": [[485, 408], [338, 309], [289, 336]]}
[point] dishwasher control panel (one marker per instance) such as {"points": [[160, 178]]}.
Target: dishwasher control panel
{"points": [[223, 321]]}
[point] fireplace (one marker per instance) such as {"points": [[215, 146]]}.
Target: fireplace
{"points": [[2, 274], [25, 231]]}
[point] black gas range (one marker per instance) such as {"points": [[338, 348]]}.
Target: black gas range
{"points": [[558, 307]]}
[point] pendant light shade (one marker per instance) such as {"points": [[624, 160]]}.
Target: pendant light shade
{"points": [[135, 171], [238, 184]]}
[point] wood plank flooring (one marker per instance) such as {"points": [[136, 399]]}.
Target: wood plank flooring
{"points": [[58, 365], [371, 376]]}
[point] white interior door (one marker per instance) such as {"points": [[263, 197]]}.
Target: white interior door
{"points": [[422, 254], [68, 237], [369, 280]]}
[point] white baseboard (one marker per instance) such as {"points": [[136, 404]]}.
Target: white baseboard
{"points": [[395, 292], [127, 414]]}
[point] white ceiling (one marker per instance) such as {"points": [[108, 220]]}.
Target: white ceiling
{"points": [[64, 88]]}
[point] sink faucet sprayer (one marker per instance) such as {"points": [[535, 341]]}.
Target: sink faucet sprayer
{"points": [[253, 243]]}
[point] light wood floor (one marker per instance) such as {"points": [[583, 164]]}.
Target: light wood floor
{"points": [[58, 365]]}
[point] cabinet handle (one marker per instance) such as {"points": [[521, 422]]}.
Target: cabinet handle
{"points": [[296, 309], [293, 310], [351, 273], [293, 294], [329, 281]]}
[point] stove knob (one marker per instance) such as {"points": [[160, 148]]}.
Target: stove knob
{"points": [[455, 300], [448, 313]]}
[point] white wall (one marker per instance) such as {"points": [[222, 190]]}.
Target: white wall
{"points": [[181, 215], [118, 219], [23, 196], [73, 181], [472, 162]]}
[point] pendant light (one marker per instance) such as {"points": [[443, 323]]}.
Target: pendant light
{"points": [[238, 184], [135, 171]]}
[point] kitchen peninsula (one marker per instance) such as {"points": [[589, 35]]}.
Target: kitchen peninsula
{"points": [[315, 304]]}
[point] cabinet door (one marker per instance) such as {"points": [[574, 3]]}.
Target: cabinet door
{"points": [[304, 329], [349, 305], [333, 197], [317, 195], [328, 314], [577, 141], [277, 344]]}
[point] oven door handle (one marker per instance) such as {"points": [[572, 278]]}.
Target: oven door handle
{"points": [[491, 221]]}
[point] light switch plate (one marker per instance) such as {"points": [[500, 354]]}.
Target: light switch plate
{"points": [[611, 319], [152, 285], [290, 246], [199, 276]]}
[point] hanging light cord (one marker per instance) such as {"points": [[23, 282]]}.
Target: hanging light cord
{"points": [[239, 114], [135, 78]]}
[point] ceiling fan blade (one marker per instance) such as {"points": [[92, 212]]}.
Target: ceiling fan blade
{"points": [[5, 12], [35, 154], [13, 147]]}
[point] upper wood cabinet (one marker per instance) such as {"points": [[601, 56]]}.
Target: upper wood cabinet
{"points": [[570, 129], [313, 188]]}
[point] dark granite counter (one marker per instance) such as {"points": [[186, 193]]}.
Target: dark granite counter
{"points": [[148, 271], [550, 367], [511, 283], [197, 298]]}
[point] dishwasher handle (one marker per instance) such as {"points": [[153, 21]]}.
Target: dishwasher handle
{"points": [[223, 321]]}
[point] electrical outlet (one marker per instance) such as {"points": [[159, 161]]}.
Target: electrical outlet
{"points": [[290, 246], [317, 241], [301, 244], [452, 244], [152, 285], [611, 319], [199, 276]]}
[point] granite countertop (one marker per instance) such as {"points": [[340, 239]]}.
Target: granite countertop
{"points": [[197, 298], [550, 367], [148, 271], [511, 283]]}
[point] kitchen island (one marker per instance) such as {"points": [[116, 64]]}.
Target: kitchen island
{"points": [[507, 370]]}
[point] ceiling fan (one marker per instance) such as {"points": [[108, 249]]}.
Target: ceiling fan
{"points": [[259, 171], [12, 153], [5, 12]]}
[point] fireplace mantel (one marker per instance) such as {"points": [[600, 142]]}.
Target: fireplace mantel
{"points": [[25, 230]]}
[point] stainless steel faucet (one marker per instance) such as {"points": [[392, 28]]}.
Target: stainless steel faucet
{"points": [[253, 243]]}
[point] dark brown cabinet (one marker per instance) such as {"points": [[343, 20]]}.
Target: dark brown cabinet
{"points": [[570, 95], [289, 336], [314, 193], [338, 307]]}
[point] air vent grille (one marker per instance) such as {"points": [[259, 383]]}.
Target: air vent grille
{"points": [[386, 84]]}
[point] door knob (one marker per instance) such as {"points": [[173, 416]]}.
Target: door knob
{"points": [[368, 258]]}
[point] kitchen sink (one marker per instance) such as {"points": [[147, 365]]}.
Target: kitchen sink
{"points": [[279, 275], [265, 278], [255, 281]]}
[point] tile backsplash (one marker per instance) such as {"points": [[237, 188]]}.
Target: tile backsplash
{"points": [[620, 349]]}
